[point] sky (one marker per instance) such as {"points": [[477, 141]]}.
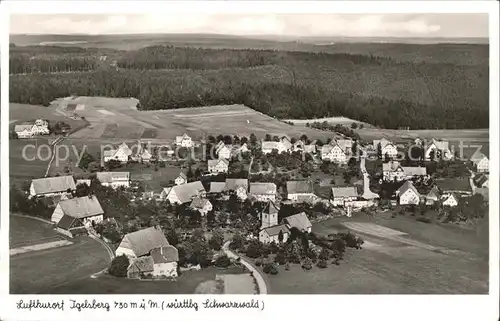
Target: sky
{"points": [[318, 25]]}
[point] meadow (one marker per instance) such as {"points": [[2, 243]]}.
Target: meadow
{"points": [[424, 259]]}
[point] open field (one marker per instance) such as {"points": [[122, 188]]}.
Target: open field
{"points": [[185, 284], [29, 231], [429, 258], [35, 163], [39, 271], [21, 112], [127, 122]]}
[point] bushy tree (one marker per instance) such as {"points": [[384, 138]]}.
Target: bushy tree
{"points": [[223, 261], [119, 266]]}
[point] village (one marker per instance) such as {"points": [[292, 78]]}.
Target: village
{"points": [[236, 199]]}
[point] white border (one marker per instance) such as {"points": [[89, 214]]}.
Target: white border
{"points": [[409, 307]]}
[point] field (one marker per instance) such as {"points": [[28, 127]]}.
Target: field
{"points": [[422, 259], [185, 284], [22, 168], [114, 119], [40, 271]]}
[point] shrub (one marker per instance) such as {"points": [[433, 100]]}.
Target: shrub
{"points": [[223, 261], [307, 264], [322, 264], [280, 258], [424, 219], [254, 249], [258, 263], [270, 268], [119, 266], [287, 266], [274, 270]]}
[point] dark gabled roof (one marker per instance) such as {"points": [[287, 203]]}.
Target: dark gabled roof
{"points": [[275, 230], [81, 207], [301, 187], [233, 183], [53, 184], [67, 222], [143, 241], [186, 192], [165, 254], [141, 264], [299, 221], [480, 179]]}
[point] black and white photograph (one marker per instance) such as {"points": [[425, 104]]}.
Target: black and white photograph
{"points": [[249, 153]]}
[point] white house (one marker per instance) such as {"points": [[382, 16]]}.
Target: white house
{"points": [[201, 205], [433, 196], [181, 179], [184, 193], [334, 153], [263, 192], [393, 171], [141, 243], [300, 191], [165, 260], [450, 200], [238, 186], [184, 141], [224, 151], [343, 196], [300, 221], [145, 156], [310, 149], [271, 234], [387, 147], [481, 162], [24, 130], [220, 165], [41, 127], [114, 179], [268, 147], [408, 194], [86, 208], [121, 154], [51, 186], [437, 146], [242, 149]]}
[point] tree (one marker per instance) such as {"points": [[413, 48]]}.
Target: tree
{"points": [[280, 236], [119, 266], [379, 151], [85, 160], [253, 139], [217, 240], [354, 125], [223, 261], [322, 264], [268, 138], [238, 242]]}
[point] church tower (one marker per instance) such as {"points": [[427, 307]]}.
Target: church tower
{"points": [[269, 216]]}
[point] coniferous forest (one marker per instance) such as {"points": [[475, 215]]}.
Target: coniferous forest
{"points": [[384, 92]]}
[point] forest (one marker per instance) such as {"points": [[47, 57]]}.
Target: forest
{"points": [[300, 85]]}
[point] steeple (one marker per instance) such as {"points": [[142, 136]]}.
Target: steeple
{"points": [[269, 216]]}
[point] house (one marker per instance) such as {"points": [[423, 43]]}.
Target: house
{"points": [[145, 156], [238, 186], [481, 162], [272, 234], [71, 226], [345, 144], [418, 141], [408, 194], [83, 181], [435, 147], [24, 130], [414, 171], [300, 221], [268, 147], [165, 260], [334, 153], [114, 179], [184, 141], [141, 243], [450, 200], [481, 180], [220, 165], [121, 154], [393, 171], [433, 196], [387, 148], [298, 146], [164, 192], [181, 179], [343, 196], [201, 205], [50, 186], [86, 208], [217, 187], [242, 149], [300, 191], [41, 127], [310, 149], [269, 215], [140, 267], [263, 192], [181, 194], [224, 151]]}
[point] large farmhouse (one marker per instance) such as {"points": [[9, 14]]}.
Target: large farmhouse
{"points": [[300, 191], [343, 196], [408, 194], [121, 154], [220, 165], [184, 141], [181, 194], [114, 179], [30, 129], [263, 192], [51, 186], [333, 152], [300, 221], [73, 215], [387, 148]]}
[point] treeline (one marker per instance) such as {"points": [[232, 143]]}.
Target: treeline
{"points": [[169, 57], [26, 64], [259, 89]]}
